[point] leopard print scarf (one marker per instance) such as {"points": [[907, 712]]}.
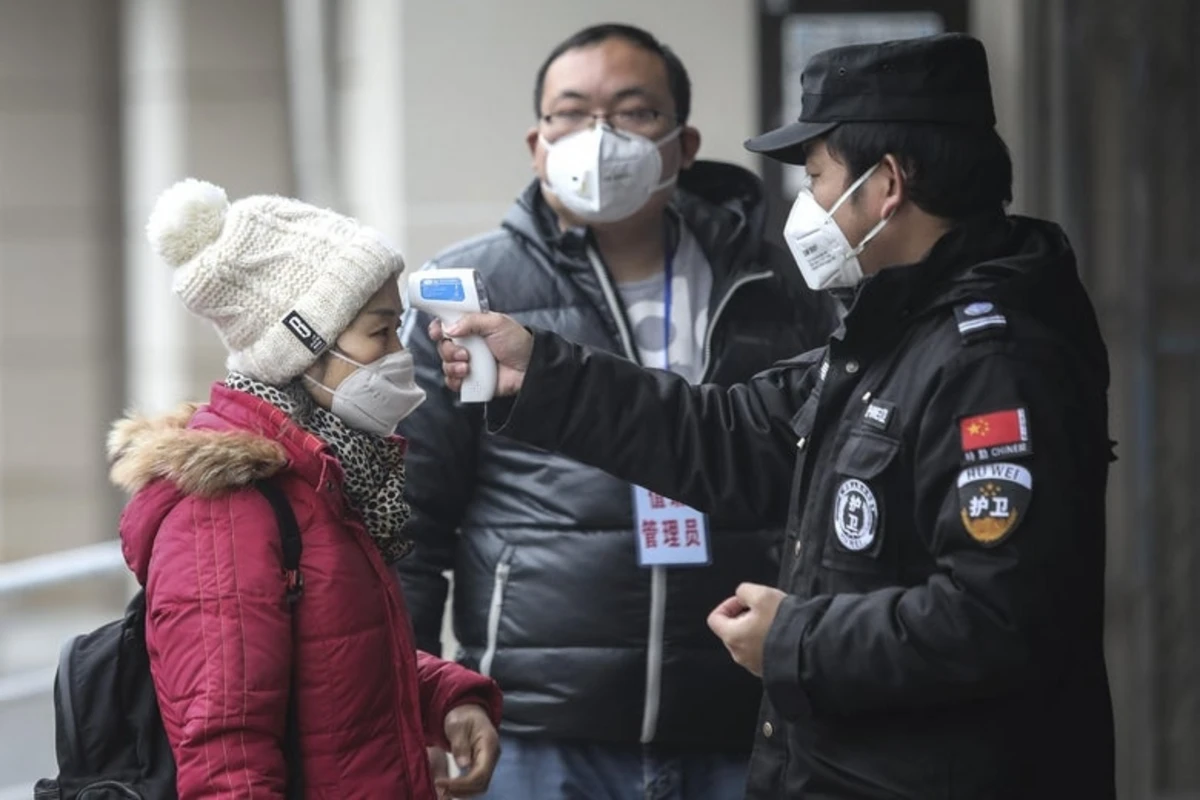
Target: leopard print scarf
{"points": [[373, 466]]}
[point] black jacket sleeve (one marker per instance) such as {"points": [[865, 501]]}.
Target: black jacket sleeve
{"points": [[440, 468], [718, 450], [996, 615]]}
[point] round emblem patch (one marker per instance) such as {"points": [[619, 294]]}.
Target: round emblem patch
{"points": [[994, 498], [978, 309], [855, 515]]}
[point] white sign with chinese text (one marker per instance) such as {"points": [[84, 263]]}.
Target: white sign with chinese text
{"points": [[669, 533]]}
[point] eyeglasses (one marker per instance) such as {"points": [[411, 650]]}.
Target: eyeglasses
{"points": [[632, 120]]}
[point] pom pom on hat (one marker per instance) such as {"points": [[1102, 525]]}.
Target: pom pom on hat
{"points": [[187, 218], [278, 278]]}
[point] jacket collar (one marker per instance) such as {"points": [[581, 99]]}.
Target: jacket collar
{"points": [[229, 443], [722, 206], [896, 294]]}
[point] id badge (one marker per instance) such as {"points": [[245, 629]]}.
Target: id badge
{"points": [[669, 534]]}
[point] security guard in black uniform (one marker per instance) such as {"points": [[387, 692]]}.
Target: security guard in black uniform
{"points": [[941, 464]]}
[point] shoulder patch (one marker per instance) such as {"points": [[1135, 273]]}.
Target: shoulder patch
{"points": [[993, 499], [979, 320], [995, 436]]}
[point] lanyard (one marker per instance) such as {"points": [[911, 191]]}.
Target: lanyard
{"points": [[669, 272]]}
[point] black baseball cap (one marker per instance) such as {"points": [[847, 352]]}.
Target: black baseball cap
{"points": [[939, 79]]}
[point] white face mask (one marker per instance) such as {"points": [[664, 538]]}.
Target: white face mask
{"points": [[821, 250], [604, 175], [376, 396]]}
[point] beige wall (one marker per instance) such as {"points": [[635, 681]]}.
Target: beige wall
{"points": [[466, 77], [60, 271], [62, 283]]}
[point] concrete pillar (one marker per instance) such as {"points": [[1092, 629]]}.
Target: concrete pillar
{"points": [[307, 28], [206, 96], [377, 72], [999, 24], [153, 68]]}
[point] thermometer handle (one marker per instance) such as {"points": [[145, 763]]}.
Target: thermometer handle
{"points": [[480, 384]]}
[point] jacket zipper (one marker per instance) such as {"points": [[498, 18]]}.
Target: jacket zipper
{"points": [[654, 653], [712, 323], [658, 575], [614, 305], [499, 582]]}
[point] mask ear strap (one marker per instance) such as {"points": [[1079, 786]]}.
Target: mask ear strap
{"points": [[344, 357], [335, 354], [316, 382], [671, 181], [670, 137], [853, 188], [871, 234]]}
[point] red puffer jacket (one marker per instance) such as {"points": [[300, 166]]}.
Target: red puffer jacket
{"points": [[205, 545]]}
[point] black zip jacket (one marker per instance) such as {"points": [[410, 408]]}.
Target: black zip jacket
{"points": [[941, 469], [549, 599]]}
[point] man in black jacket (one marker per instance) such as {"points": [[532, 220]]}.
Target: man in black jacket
{"points": [[625, 243], [941, 465]]}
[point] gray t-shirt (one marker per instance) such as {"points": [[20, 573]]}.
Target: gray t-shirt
{"points": [[691, 287]]}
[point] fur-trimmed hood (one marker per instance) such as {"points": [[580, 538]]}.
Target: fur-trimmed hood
{"points": [[219, 629], [197, 461], [202, 452]]}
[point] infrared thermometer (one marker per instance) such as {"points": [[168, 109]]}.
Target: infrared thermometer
{"points": [[448, 294]]}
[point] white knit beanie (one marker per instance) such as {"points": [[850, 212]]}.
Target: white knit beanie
{"points": [[279, 279]]}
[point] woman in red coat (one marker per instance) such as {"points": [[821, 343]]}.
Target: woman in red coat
{"points": [[307, 303]]}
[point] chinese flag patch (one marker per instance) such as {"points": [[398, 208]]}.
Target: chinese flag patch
{"points": [[1000, 434]]}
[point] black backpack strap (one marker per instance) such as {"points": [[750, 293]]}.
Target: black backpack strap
{"points": [[289, 539]]}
